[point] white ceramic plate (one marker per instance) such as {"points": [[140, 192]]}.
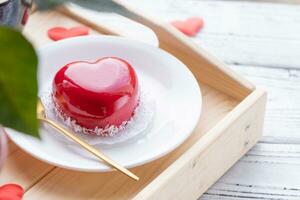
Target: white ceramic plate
{"points": [[177, 98]]}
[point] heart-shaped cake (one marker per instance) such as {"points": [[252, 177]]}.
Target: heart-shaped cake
{"points": [[96, 95]]}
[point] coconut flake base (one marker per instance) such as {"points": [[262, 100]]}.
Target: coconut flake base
{"points": [[138, 123], [108, 131]]}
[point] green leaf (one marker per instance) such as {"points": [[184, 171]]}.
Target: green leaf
{"points": [[98, 5], [18, 82]]}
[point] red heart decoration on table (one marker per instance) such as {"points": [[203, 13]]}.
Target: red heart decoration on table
{"points": [[11, 192], [59, 33], [190, 26], [109, 85]]}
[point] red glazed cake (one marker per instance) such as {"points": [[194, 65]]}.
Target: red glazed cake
{"points": [[96, 95]]}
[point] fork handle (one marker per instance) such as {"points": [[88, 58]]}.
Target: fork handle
{"points": [[90, 148]]}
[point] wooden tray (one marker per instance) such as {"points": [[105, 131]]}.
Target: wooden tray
{"points": [[231, 123]]}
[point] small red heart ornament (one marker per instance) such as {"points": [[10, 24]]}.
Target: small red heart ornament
{"points": [[59, 33], [190, 26], [11, 192]]}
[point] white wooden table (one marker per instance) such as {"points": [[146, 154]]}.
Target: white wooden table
{"points": [[261, 41]]}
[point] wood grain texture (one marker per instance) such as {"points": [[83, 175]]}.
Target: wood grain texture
{"points": [[243, 32], [268, 171], [22, 169], [282, 122]]}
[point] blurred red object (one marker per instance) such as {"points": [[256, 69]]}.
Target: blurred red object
{"points": [[11, 192], [190, 26], [25, 16], [59, 33]]}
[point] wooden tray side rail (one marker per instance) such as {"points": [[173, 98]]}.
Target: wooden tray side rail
{"points": [[208, 159]]}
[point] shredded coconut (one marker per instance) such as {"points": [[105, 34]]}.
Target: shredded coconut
{"points": [[107, 131]]}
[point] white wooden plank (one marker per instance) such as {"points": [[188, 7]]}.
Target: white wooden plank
{"points": [[268, 171], [277, 1], [282, 122], [248, 33]]}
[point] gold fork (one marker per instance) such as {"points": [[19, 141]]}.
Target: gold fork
{"points": [[42, 117]]}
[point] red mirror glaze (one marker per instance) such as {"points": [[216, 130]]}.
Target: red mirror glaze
{"points": [[96, 94]]}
